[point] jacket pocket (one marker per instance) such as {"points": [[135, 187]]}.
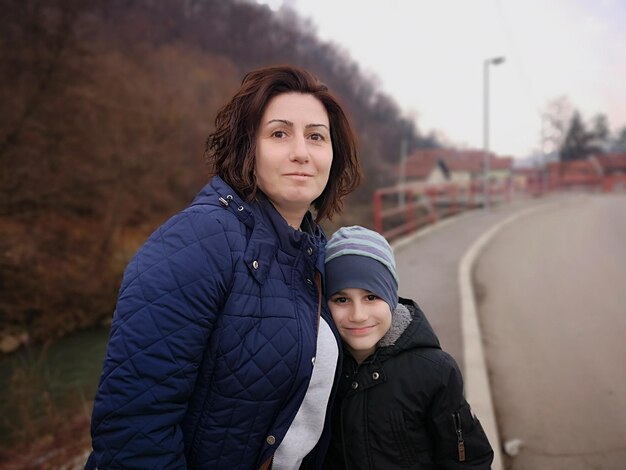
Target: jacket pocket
{"points": [[462, 436], [413, 445]]}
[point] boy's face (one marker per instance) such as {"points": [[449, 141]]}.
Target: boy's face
{"points": [[362, 319]]}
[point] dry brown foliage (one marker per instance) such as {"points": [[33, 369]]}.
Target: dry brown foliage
{"points": [[102, 132]]}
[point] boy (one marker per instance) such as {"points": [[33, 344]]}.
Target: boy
{"points": [[400, 401]]}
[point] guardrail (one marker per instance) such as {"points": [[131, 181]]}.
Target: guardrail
{"points": [[400, 210]]}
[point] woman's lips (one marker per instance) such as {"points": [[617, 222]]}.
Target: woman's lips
{"points": [[298, 176]]}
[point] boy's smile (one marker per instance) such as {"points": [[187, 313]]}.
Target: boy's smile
{"points": [[362, 319]]}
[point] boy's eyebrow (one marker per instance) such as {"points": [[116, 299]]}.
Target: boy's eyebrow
{"points": [[342, 292]]}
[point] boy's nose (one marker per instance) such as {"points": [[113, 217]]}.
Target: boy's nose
{"points": [[358, 314]]}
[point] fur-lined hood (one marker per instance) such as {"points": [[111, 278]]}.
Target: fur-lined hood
{"points": [[409, 329]]}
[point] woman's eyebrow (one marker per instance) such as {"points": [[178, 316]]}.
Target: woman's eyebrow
{"points": [[290, 124], [283, 121], [308, 126]]}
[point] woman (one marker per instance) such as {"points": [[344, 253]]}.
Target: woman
{"points": [[222, 353]]}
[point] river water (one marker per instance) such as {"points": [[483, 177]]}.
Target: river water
{"points": [[38, 381]]}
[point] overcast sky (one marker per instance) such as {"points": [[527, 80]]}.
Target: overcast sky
{"points": [[429, 55]]}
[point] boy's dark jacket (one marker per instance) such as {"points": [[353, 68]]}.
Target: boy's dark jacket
{"points": [[403, 407]]}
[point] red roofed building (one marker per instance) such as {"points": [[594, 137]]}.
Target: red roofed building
{"points": [[460, 167], [465, 165], [425, 166], [457, 166], [612, 166], [501, 169]]}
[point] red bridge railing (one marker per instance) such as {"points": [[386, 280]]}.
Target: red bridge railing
{"points": [[401, 210]]}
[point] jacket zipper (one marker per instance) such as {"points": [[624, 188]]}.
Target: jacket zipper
{"points": [[343, 438], [267, 465], [459, 436]]}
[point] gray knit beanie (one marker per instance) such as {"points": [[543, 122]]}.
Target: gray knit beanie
{"points": [[357, 257]]}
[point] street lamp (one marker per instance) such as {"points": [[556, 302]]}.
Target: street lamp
{"points": [[492, 61], [402, 178]]}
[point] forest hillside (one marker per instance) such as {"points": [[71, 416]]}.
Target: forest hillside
{"points": [[104, 111]]}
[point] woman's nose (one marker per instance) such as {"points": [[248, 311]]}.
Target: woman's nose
{"points": [[300, 151]]}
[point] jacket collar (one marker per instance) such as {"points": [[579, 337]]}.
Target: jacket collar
{"points": [[269, 230], [401, 318], [409, 329]]}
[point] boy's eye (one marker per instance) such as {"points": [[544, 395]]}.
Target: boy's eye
{"points": [[372, 297], [340, 300]]}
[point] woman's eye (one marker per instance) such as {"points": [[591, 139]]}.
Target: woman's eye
{"points": [[278, 134], [316, 136]]}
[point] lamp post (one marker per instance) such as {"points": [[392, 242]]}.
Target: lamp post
{"points": [[402, 178], [544, 158], [487, 62]]}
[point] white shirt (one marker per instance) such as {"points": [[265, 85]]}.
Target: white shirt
{"points": [[308, 424]]}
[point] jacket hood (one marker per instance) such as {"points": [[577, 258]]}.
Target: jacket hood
{"points": [[409, 329]]}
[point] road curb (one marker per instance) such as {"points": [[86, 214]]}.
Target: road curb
{"points": [[404, 241], [477, 389]]}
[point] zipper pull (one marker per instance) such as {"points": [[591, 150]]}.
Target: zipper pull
{"points": [[459, 436]]}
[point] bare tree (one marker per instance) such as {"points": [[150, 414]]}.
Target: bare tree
{"points": [[556, 118]]}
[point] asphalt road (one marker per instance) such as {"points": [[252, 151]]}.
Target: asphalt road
{"points": [[552, 305], [428, 265]]}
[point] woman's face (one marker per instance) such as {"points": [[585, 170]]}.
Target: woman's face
{"points": [[294, 153]]}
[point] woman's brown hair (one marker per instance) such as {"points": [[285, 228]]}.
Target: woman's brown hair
{"points": [[231, 148]]}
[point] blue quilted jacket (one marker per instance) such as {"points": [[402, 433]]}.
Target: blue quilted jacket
{"points": [[211, 345]]}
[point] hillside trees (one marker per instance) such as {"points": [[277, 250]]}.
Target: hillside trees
{"points": [[39, 144], [270, 38], [102, 130], [98, 141]]}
